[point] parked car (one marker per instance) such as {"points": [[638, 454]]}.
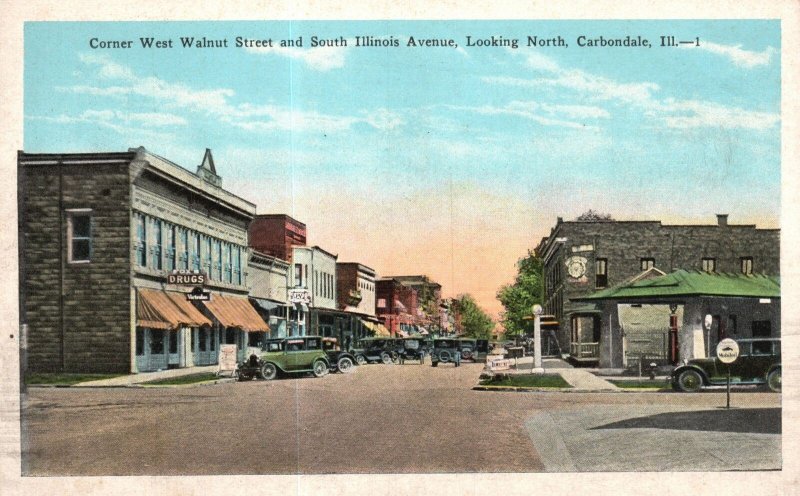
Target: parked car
{"points": [[445, 350], [341, 361], [759, 362], [374, 350], [473, 349], [414, 348], [295, 355]]}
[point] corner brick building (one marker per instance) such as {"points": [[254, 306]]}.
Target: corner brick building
{"points": [[582, 257], [99, 236]]}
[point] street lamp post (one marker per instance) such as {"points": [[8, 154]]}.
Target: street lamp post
{"points": [[537, 340]]}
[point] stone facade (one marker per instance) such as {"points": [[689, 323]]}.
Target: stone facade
{"points": [[582, 257], [355, 288]]}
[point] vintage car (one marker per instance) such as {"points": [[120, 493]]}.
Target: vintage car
{"points": [[373, 350], [759, 362], [446, 350], [413, 348], [473, 349], [295, 355], [341, 361]]}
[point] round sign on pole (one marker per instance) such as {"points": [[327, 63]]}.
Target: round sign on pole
{"points": [[727, 351]]}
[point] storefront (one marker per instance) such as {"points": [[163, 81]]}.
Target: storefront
{"points": [[234, 318], [166, 326]]}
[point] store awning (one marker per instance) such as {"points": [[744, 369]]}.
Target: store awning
{"points": [[423, 331], [402, 334], [381, 330], [266, 305], [369, 325], [231, 311], [158, 309]]}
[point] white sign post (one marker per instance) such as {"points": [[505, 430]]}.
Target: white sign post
{"points": [[537, 340], [727, 353]]}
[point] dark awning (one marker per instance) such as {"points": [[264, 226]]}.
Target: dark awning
{"points": [[266, 305]]}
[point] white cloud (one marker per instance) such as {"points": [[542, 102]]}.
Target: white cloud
{"points": [[742, 58], [322, 58], [544, 114], [693, 113]]}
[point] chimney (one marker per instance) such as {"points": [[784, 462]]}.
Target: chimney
{"points": [[722, 220]]}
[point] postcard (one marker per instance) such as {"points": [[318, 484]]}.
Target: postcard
{"points": [[439, 253]]}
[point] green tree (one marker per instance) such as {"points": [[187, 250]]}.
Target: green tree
{"points": [[475, 323], [519, 297]]}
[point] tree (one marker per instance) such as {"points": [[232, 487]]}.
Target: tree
{"points": [[592, 216], [518, 298], [475, 323]]}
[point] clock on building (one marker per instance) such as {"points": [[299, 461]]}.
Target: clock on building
{"points": [[576, 267]]}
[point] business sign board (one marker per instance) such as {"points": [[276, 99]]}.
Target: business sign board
{"points": [[199, 294], [300, 296], [186, 277], [727, 351], [227, 358]]}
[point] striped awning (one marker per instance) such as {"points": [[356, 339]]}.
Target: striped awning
{"points": [[167, 310], [369, 325], [231, 311], [381, 330]]}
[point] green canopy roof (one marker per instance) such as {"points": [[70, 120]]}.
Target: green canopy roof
{"points": [[692, 283]]}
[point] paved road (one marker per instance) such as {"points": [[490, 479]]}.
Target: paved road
{"points": [[380, 419]]}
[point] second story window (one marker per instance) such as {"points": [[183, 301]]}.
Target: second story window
{"points": [[141, 240], [207, 257], [171, 248], [79, 236], [747, 265], [298, 275], [218, 260], [184, 249], [601, 272], [228, 263], [196, 252], [157, 244], [647, 263], [709, 264]]}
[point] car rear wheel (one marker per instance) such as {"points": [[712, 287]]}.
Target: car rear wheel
{"points": [[361, 360], [386, 358], [320, 368], [444, 356], [466, 354], [345, 365], [268, 371], [690, 381], [774, 380]]}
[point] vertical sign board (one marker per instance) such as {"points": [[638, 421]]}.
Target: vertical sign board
{"points": [[727, 353], [227, 359]]}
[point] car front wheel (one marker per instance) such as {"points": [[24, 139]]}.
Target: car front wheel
{"points": [[361, 360], [690, 381], [268, 371], [774, 380], [320, 368], [386, 358], [345, 365]]}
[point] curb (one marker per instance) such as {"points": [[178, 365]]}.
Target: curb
{"points": [[517, 389]]}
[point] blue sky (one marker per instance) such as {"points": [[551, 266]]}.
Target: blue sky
{"points": [[446, 161]]}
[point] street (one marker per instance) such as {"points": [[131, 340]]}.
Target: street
{"points": [[389, 419]]}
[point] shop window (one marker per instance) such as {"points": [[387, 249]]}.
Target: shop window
{"points": [[762, 328], [171, 248], [747, 265], [203, 340], [709, 264], [212, 340], [732, 325], [647, 263], [156, 342], [140, 342], [141, 241], [157, 244], [230, 335], [79, 236], [173, 343], [601, 272]]}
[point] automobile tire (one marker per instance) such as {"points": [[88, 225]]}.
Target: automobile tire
{"points": [[268, 371], [434, 364], [395, 357], [361, 360], [774, 381], [320, 368], [466, 354], [690, 381], [345, 365], [386, 358], [444, 356]]}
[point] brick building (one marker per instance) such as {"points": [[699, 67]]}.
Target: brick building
{"points": [[100, 234], [355, 285], [276, 235], [429, 300], [582, 257], [396, 305]]}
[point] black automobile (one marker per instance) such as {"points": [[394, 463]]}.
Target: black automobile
{"points": [[446, 350], [340, 361], [377, 350], [759, 362], [413, 348], [473, 349]]}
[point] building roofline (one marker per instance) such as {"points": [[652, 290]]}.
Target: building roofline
{"points": [[265, 256]]}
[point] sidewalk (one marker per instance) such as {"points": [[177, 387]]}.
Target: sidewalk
{"points": [[129, 380], [579, 379]]}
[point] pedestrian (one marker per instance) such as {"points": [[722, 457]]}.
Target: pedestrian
{"points": [[457, 358]]}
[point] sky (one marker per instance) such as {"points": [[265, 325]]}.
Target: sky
{"points": [[446, 161]]}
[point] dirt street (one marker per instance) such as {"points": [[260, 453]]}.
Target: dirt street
{"points": [[380, 419]]}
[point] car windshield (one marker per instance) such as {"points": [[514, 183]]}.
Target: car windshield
{"points": [[412, 345], [762, 348]]}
